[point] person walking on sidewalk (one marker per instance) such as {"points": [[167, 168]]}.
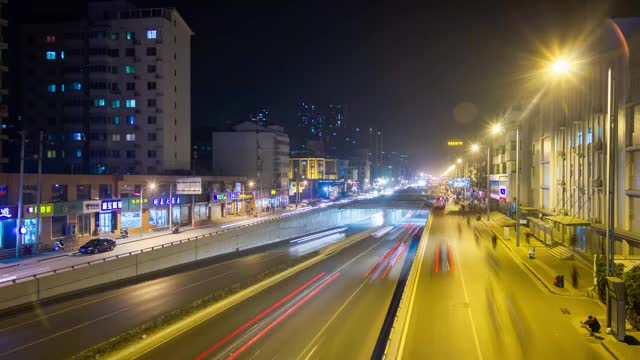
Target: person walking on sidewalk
{"points": [[574, 276]]}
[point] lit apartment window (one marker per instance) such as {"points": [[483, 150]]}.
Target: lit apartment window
{"points": [[51, 154], [131, 103], [115, 137], [116, 120], [130, 69], [115, 104], [62, 55], [51, 88], [152, 34], [131, 137], [50, 39], [78, 153], [115, 36], [99, 102], [51, 55], [76, 136], [76, 86], [61, 87], [579, 138], [131, 120], [589, 136], [131, 35]]}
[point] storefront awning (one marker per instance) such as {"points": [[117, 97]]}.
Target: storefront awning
{"points": [[568, 220]]}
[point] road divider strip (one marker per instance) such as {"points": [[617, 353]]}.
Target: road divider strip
{"points": [[135, 343], [397, 337]]}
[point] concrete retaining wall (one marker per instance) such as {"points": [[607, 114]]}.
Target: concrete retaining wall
{"points": [[124, 267]]}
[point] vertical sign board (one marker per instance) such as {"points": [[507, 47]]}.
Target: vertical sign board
{"points": [[189, 186]]}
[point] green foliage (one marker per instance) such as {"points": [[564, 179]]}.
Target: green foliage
{"points": [[601, 275], [632, 284]]}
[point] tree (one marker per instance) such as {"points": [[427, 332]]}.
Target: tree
{"points": [[601, 275], [632, 285]]}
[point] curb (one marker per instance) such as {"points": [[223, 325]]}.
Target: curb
{"points": [[537, 276], [611, 352]]}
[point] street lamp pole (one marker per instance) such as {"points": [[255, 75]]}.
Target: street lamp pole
{"points": [[611, 161], [20, 191], [486, 195], [517, 186]]}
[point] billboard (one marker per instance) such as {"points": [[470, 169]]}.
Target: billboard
{"points": [[461, 182], [189, 186]]}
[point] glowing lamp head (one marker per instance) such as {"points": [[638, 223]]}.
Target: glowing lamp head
{"points": [[560, 67], [475, 147], [459, 161], [496, 128]]}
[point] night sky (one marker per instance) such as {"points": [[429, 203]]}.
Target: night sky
{"points": [[400, 66]]}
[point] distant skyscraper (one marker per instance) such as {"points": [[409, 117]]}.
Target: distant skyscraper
{"points": [[309, 126], [260, 117], [334, 127]]}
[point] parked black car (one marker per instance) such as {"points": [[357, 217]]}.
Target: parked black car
{"points": [[95, 246]]}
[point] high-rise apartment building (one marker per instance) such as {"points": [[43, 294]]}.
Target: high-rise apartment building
{"points": [[111, 93]]}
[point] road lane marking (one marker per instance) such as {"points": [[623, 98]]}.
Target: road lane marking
{"points": [[473, 324], [259, 316], [283, 316], [420, 259], [136, 350], [335, 315]]}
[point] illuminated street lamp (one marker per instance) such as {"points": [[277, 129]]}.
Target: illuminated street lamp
{"points": [[151, 186], [560, 66]]}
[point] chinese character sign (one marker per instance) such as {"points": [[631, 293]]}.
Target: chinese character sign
{"points": [[112, 204]]}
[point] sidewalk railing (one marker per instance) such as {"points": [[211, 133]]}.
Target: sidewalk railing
{"points": [[13, 280]]}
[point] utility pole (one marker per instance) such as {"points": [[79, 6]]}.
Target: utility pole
{"points": [[518, 186], [20, 191], [487, 193], [170, 206], [39, 196], [612, 109]]}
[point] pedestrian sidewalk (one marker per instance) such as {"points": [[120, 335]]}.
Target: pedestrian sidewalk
{"points": [[133, 237], [547, 264]]}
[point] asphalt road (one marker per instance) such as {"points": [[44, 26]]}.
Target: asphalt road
{"points": [[61, 329], [474, 302], [331, 310]]}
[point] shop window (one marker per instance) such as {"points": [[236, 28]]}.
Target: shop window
{"points": [[83, 192], [105, 191], [58, 226], [59, 193]]}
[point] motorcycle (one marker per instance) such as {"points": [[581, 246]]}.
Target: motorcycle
{"points": [[58, 245], [124, 233], [532, 253], [494, 240], [175, 229]]}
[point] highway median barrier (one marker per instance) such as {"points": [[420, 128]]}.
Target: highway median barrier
{"points": [[123, 267], [397, 336]]}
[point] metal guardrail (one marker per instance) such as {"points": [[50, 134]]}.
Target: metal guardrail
{"points": [[15, 280]]}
